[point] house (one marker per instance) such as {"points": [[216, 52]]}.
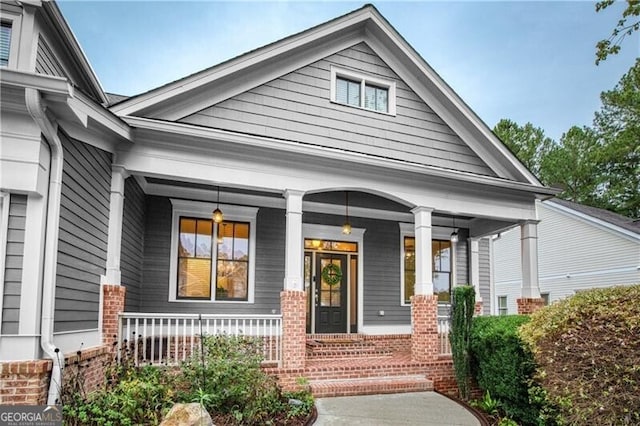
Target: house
{"points": [[338, 164], [580, 248]]}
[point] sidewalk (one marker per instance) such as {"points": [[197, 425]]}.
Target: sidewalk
{"points": [[421, 408]]}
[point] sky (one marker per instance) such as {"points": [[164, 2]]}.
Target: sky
{"points": [[526, 61]]}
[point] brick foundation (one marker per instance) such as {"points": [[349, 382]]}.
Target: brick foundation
{"points": [[113, 297], [294, 313], [529, 306], [425, 344]]}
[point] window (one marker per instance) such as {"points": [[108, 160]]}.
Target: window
{"points": [[5, 43], [441, 269], [360, 91], [545, 297], [212, 262], [502, 305]]}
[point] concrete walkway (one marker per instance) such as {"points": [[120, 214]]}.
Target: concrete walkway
{"points": [[421, 408]]}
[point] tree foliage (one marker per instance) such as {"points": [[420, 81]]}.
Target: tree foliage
{"points": [[527, 142], [462, 308], [627, 25]]}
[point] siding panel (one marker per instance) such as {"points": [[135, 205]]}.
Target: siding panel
{"points": [[82, 244], [297, 107], [14, 255], [131, 259], [46, 62]]}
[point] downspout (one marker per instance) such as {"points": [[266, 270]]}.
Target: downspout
{"points": [[37, 110]]}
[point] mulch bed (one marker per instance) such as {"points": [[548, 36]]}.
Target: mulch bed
{"points": [[483, 418], [228, 419]]}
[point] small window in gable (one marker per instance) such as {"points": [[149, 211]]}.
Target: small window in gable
{"points": [[5, 43], [361, 91]]}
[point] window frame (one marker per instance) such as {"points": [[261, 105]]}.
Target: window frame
{"points": [[437, 234], [364, 80], [202, 210], [14, 20], [502, 310]]}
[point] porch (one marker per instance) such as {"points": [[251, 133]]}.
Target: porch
{"points": [[338, 364]]}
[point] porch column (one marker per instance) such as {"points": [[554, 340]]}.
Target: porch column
{"points": [[113, 294], [424, 304], [530, 300], [474, 245], [293, 297]]}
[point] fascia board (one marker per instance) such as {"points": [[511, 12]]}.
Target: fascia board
{"points": [[599, 223], [195, 81], [101, 115], [186, 131], [55, 87], [457, 104]]}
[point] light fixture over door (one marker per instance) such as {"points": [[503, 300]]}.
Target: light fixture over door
{"points": [[346, 228], [454, 234], [218, 217]]}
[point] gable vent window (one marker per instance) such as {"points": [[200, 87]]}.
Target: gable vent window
{"points": [[361, 91], [5, 43]]}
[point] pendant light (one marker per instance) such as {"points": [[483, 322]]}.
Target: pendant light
{"points": [[454, 234], [217, 213], [346, 228]]}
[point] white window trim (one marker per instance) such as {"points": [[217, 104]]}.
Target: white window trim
{"points": [[364, 79], [14, 20], [203, 210], [506, 305], [437, 233]]}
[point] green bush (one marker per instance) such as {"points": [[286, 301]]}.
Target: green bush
{"points": [[587, 349], [464, 300], [502, 366]]}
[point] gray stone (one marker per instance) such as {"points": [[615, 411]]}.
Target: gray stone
{"points": [[192, 414]]}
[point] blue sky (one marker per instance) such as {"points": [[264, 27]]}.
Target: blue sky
{"points": [[527, 61]]}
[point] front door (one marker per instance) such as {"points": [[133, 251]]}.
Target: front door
{"points": [[331, 293]]}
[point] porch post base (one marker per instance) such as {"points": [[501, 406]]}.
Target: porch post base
{"points": [[527, 306], [113, 297], [477, 310], [424, 336], [294, 328]]}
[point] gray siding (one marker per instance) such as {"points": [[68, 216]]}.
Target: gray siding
{"points": [[269, 272], [13, 264], [297, 107], [82, 243], [484, 260], [132, 248], [462, 258], [46, 62]]}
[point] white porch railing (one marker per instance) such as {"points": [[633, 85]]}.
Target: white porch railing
{"points": [[169, 339], [444, 327]]}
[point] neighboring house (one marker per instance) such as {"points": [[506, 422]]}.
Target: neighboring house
{"points": [[107, 202], [579, 248]]}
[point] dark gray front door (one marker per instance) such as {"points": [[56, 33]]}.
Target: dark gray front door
{"points": [[331, 288]]}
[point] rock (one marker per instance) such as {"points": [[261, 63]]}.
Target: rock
{"points": [[192, 414]]}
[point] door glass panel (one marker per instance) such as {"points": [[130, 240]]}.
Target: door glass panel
{"points": [[325, 298], [335, 299]]}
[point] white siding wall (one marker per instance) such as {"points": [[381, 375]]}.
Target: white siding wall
{"points": [[573, 255]]}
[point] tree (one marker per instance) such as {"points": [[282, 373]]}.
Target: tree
{"points": [[624, 28], [573, 165], [618, 127], [527, 142]]}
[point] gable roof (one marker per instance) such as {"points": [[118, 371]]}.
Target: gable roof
{"points": [[627, 223], [186, 96]]}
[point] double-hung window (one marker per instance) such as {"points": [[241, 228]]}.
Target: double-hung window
{"points": [[362, 91], [5, 43], [502, 305], [212, 262]]}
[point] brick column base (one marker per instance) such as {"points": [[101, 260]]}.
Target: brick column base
{"points": [[24, 382], [113, 297], [477, 310], [528, 306], [294, 328], [425, 344]]}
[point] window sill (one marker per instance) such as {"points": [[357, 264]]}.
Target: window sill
{"points": [[222, 302]]}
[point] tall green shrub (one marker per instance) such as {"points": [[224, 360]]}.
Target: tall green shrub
{"points": [[462, 308], [503, 366], [587, 349]]}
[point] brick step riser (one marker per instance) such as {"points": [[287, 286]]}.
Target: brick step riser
{"points": [[370, 389], [356, 353], [358, 373], [347, 357]]}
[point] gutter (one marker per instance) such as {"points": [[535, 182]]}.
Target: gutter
{"points": [[37, 110]]}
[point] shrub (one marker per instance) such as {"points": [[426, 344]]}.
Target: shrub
{"points": [[587, 349], [464, 299], [503, 366]]}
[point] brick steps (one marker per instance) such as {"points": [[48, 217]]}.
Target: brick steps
{"points": [[333, 349], [370, 385], [359, 368]]}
